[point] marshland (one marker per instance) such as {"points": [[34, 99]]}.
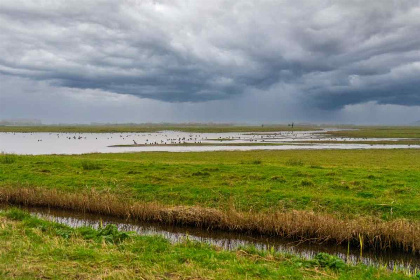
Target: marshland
{"points": [[141, 138], [225, 139], [356, 202]]}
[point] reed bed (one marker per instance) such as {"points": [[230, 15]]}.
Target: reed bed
{"points": [[365, 232]]}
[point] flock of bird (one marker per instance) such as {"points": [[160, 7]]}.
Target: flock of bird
{"points": [[177, 139]]}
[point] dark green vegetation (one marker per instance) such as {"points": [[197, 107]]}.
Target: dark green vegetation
{"points": [[7, 158], [33, 248], [199, 128], [378, 183]]}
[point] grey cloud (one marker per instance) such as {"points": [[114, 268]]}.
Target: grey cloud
{"points": [[30, 99], [330, 53]]}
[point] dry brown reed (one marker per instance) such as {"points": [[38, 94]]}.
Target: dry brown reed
{"points": [[300, 225]]}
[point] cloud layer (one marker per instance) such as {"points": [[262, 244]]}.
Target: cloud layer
{"points": [[220, 60], [331, 53]]}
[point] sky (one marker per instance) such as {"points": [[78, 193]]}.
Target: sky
{"points": [[260, 61]]}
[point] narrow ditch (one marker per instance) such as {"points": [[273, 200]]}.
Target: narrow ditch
{"points": [[231, 240]]}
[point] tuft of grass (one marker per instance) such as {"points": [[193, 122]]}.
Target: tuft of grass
{"points": [[365, 194], [7, 158], [252, 161], [295, 162], [90, 165], [17, 214], [278, 179], [328, 261], [200, 173], [109, 234], [315, 166], [307, 183]]}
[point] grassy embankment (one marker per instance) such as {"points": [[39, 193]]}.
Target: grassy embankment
{"points": [[380, 132], [304, 142], [339, 196], [32, 248], [199, 144], [380, 142], [412, 133]]}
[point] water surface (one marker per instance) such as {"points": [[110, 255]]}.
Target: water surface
{"points": [[173, 141]]}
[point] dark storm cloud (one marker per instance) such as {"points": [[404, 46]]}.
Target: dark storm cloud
{"points": [[330, 53]]}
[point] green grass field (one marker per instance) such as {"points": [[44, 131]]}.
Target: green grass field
{"points": [[31, 248], [347, 184], [344, 183]]}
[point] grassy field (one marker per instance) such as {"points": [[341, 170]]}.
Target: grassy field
{"points": [[344, 183], [338, 195], [199, 128], [32, 248]]}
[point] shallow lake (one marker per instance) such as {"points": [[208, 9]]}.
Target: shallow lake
{"points": [[176, 141]]}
